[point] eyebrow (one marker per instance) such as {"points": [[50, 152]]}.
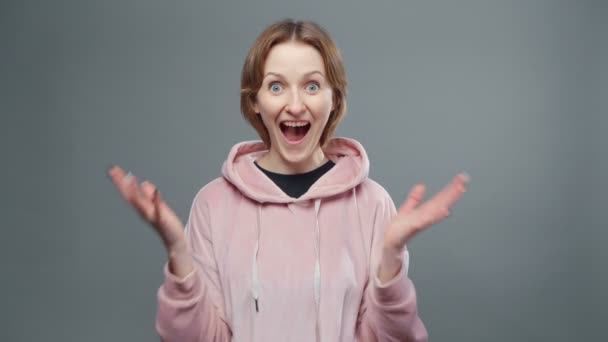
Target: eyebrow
{"points": [[305, 75]]}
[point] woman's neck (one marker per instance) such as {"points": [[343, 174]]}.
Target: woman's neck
{"points": [[274, 162]]}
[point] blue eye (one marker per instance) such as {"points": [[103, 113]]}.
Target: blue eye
{"points": [[312, 87], [275, 87]]}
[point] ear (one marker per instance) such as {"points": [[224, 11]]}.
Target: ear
{"points": [[254, 105], [334, 103]]}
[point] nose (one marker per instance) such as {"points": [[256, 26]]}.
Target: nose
{"points": [[295, 105]]}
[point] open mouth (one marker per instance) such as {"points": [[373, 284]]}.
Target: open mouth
{"points": [[294, 131]]}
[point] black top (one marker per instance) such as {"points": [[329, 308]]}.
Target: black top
{"points": [[296, 185]]}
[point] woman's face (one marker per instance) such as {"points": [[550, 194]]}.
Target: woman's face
{"points": [[294, 102]]}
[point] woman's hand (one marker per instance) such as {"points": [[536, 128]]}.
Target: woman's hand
{"points": [[413, 217], [147, 201]]}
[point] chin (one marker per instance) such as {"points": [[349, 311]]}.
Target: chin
{"points": [[297, 157]]}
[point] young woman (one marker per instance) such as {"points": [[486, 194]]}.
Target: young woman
{"points": [[294, 242]]}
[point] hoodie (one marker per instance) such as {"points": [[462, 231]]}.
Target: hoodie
{"points": [[269, 267]]}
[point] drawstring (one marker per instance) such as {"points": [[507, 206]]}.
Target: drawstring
{"points": [[318, 255], [255, 288], [368, 253], [317, 278]]}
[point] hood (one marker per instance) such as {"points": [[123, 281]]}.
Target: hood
{"points": [[352, 168]]}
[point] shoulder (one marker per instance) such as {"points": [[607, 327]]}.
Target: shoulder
{"points": [[373, 201], [372, 192], [214, 192], [214, 188]]}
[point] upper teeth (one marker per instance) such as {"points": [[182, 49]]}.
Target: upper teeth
{"points": [[295, 124]]}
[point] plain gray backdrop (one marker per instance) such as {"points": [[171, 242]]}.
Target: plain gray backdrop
{"points": [[513, 92]]}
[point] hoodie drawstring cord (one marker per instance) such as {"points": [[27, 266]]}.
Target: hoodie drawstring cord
{"points": [[317, 278], [255, 289]]}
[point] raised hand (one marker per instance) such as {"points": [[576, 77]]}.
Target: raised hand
{"points": [[414, 217], [147, 201]]}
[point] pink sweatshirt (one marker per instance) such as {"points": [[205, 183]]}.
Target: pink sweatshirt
{"points": [[274, 268]]}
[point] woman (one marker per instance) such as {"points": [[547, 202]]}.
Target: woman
{"points": [[294, 242]]}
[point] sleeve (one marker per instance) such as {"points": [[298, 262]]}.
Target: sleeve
{"points": [[192, 308], [388, 311]]}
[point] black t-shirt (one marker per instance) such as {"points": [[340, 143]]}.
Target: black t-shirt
{"points": [[296, 185]]}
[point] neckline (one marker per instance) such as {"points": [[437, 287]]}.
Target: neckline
{"points": [[326, 166]]}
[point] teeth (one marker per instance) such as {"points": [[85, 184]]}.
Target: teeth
{"points": [[295, 124]]}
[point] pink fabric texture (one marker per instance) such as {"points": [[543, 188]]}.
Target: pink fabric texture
{"points": [[311, 262]]}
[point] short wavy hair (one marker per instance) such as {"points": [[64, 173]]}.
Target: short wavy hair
{"points": [[306, 32]]}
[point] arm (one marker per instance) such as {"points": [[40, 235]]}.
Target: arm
{"points": [[190, 308], [388, 310]]}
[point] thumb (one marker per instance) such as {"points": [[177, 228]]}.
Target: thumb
{"points": [[413, 199], [164, 215]]}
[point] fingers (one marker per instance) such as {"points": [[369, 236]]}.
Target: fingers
{"points": [[147, 201], [430, 215], [123, 182], [450, 194], [159, 215], [164, 214], [438, 207], [147, 189], [137, 198], [168, 223], [140, 197], [413, 199], [117, 175]]}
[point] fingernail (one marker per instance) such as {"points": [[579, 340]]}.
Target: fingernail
{"points": [[467, 177], [128, 178], [109, 170]]}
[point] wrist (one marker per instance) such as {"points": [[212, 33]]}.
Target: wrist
{"points": [[177, 249], [390, 264], [392, 248], [180, 261]]}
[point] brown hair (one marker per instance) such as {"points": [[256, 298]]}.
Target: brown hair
{"points": [[306, 32]]}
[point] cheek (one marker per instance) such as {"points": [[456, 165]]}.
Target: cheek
{"points": [[321, 106], [268, 121], [269, 106]]}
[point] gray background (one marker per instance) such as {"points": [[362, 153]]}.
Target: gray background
{"points": [[513, 92]]}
